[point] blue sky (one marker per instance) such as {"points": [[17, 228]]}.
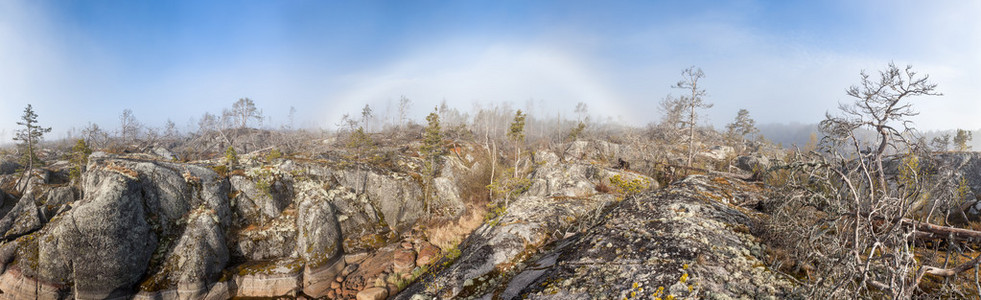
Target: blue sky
{"points": [[785, 61]]}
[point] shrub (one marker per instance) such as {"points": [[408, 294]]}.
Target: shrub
{"points": [[273, 154], [221, 170], [231, 158], [79, 158], [629, 187]]}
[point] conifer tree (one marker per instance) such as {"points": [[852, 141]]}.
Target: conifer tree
{"points": [[30, 136]]}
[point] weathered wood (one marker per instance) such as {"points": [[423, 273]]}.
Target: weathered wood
{"points": [[932, 231]]}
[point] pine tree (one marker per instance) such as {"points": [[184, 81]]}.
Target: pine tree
{"points": [[961, 140], [231, 157], [79, 158], [432, 149], [432, 144], [517, 136], [30, 137], [740, 127]]}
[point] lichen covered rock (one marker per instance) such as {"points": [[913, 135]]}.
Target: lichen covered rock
{"points": [[684, 241]]}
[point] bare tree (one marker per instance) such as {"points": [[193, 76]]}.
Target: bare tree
{"points": [[691, 102], [941, 143], [129, 127], [170, 130], [404, 104], [244, 110], [581, 111], [291, 118], [208, 123], [366, 116], [846, 223], [95, 136]]}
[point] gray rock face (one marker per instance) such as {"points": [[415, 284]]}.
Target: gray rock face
{"points": [[685, 241], [197, 258], [163, 153], [398, 198], [565, 194], [104, 245], [60, 196], [718, 152], [448, 201], [160, 229], [274, 239], [754, 163], [566, 180], [136, 217], [22, 219], [8, 167], [257, 204], [319, 243], [319, 239]]}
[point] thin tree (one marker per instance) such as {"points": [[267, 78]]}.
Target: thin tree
{"points": [[404, 104], [692, 102], [432, 149], [129, 126], [961, 139], [742, 126], [366, 116], [244, 110], [517, 136], [291, 118], [30, 136]]}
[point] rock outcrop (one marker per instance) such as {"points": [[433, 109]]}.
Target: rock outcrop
{"points": [[688, 240], [561, 196], [151, 228], [684, 241]]}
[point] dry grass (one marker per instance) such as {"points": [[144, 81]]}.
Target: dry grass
{"points": [[603, 188], [448, 235], [122, 170]]}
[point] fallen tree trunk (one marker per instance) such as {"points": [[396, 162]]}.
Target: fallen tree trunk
{"points": [[937, 232], [709, 172]]}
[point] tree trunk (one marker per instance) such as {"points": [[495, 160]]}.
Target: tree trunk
{"points": [[691, 135]]}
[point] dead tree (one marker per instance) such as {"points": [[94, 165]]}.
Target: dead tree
{"points": [[691, 103], [844, 216]]}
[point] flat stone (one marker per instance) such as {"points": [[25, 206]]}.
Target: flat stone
{"points": [[349, 269], [355, 257], [406, 245], [374, 293], [427, 253], [404, 262]]}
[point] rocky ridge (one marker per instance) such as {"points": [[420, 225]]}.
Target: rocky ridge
{"points": [[328, 226]]}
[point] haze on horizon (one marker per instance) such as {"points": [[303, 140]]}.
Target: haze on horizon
{"points": [[785, 61]]}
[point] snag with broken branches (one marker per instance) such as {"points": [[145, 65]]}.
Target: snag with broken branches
{"points": [[866, 217]]}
